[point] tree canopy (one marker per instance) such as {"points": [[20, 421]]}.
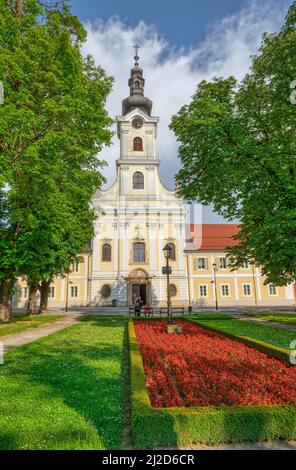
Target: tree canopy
{"points": [[53, 124], [238, 151]]}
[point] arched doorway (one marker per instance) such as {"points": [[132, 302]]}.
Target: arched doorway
{"points": [[138, 286]]}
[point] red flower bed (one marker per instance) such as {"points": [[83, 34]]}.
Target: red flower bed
{"points": [[202, 368]]}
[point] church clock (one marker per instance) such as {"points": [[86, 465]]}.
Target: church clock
{"points": [[137, 122]]}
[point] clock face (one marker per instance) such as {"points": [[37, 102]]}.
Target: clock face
{"points": [[137, 122]]}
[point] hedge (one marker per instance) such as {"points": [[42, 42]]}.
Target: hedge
{"points": [[176, 427], [274, 351]]}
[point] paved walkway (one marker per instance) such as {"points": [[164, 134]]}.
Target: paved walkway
{"points": [[260, 321], [28, 336]]}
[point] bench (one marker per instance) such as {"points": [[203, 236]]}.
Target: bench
{"points": [[146, 310], [173, 310]]}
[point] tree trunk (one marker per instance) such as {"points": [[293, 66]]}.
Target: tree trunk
{"points": [[19, 8], [6, 300], [33, 287], [44, 291]]}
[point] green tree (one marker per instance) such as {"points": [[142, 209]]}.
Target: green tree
{"points": [[238, 152], [53, 123]]}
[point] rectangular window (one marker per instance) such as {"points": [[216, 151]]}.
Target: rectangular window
{"points": [[245, 265], [26, 292], [203, 291], [223, 263], [225, 290], [272, 289], [74, 291], [139, 252], [201, 263], [247, 290], [51, 292], [75, 267]]}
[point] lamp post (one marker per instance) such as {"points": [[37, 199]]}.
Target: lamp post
{"points": [[167, 251], [214, 265], [67, 291]]}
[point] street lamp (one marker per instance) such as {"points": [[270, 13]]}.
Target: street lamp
{"points": [[167, 251], [67, 291], [214, 265]]}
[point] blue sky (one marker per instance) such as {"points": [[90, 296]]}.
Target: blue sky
{"points": [[182, 43], [184, 23]]}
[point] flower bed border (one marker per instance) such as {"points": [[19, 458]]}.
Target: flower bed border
{"points": [[154, 427], [275, 351]]}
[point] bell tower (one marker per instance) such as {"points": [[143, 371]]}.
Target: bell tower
{"points": [[137, 132]]}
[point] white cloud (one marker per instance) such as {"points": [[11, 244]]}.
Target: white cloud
{"points": [[172, 74]]}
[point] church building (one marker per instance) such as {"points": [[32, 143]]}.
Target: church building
{"points": [[136, 218]]}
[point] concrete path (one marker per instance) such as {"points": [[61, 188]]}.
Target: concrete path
{"points": [[260, 321], [28, 336]]}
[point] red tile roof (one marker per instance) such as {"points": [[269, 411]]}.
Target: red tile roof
{"points": [[211, 236]]}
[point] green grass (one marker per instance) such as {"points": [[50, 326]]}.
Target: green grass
{"points": [[66, 391], [210, 316], [286, 318], [266, 333], [18, 324]]}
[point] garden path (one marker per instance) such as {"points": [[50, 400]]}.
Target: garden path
{"points": [[264, 322], [28, 336]]}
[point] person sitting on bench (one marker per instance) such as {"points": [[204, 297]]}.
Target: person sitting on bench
{"points": [[138, 306]]}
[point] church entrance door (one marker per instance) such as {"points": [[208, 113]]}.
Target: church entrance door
{"points": [[138, 284], [139, 290]]}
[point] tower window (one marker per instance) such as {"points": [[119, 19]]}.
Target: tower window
{"points": [[139, 252], [138, 180], [106, 252], [138, 144]]}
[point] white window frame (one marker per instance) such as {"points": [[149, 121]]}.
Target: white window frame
{"points": [[271, 294], [199, 291], [229, 291], [76, 267], [219, 262], [78, 294], [26, 292], [197, 268], [244, 267], [250, 286], [54, 292]]}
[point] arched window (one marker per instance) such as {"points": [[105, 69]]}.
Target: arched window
{"points": [[138, 144], [138, 180], [106, 291], [173, 290], [139, 252], [173, 252], [106, 252]]}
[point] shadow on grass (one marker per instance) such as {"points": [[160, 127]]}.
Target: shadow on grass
{"points": [[76, 381]]}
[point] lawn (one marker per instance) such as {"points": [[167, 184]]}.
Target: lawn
{"points": [[266, 333], [286, 318], [66, 391], [18, 324]]}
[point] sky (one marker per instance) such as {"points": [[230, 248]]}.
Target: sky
{"points": [[181, 43]]}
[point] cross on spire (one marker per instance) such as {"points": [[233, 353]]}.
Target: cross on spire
{"points": [[136, 47]]}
